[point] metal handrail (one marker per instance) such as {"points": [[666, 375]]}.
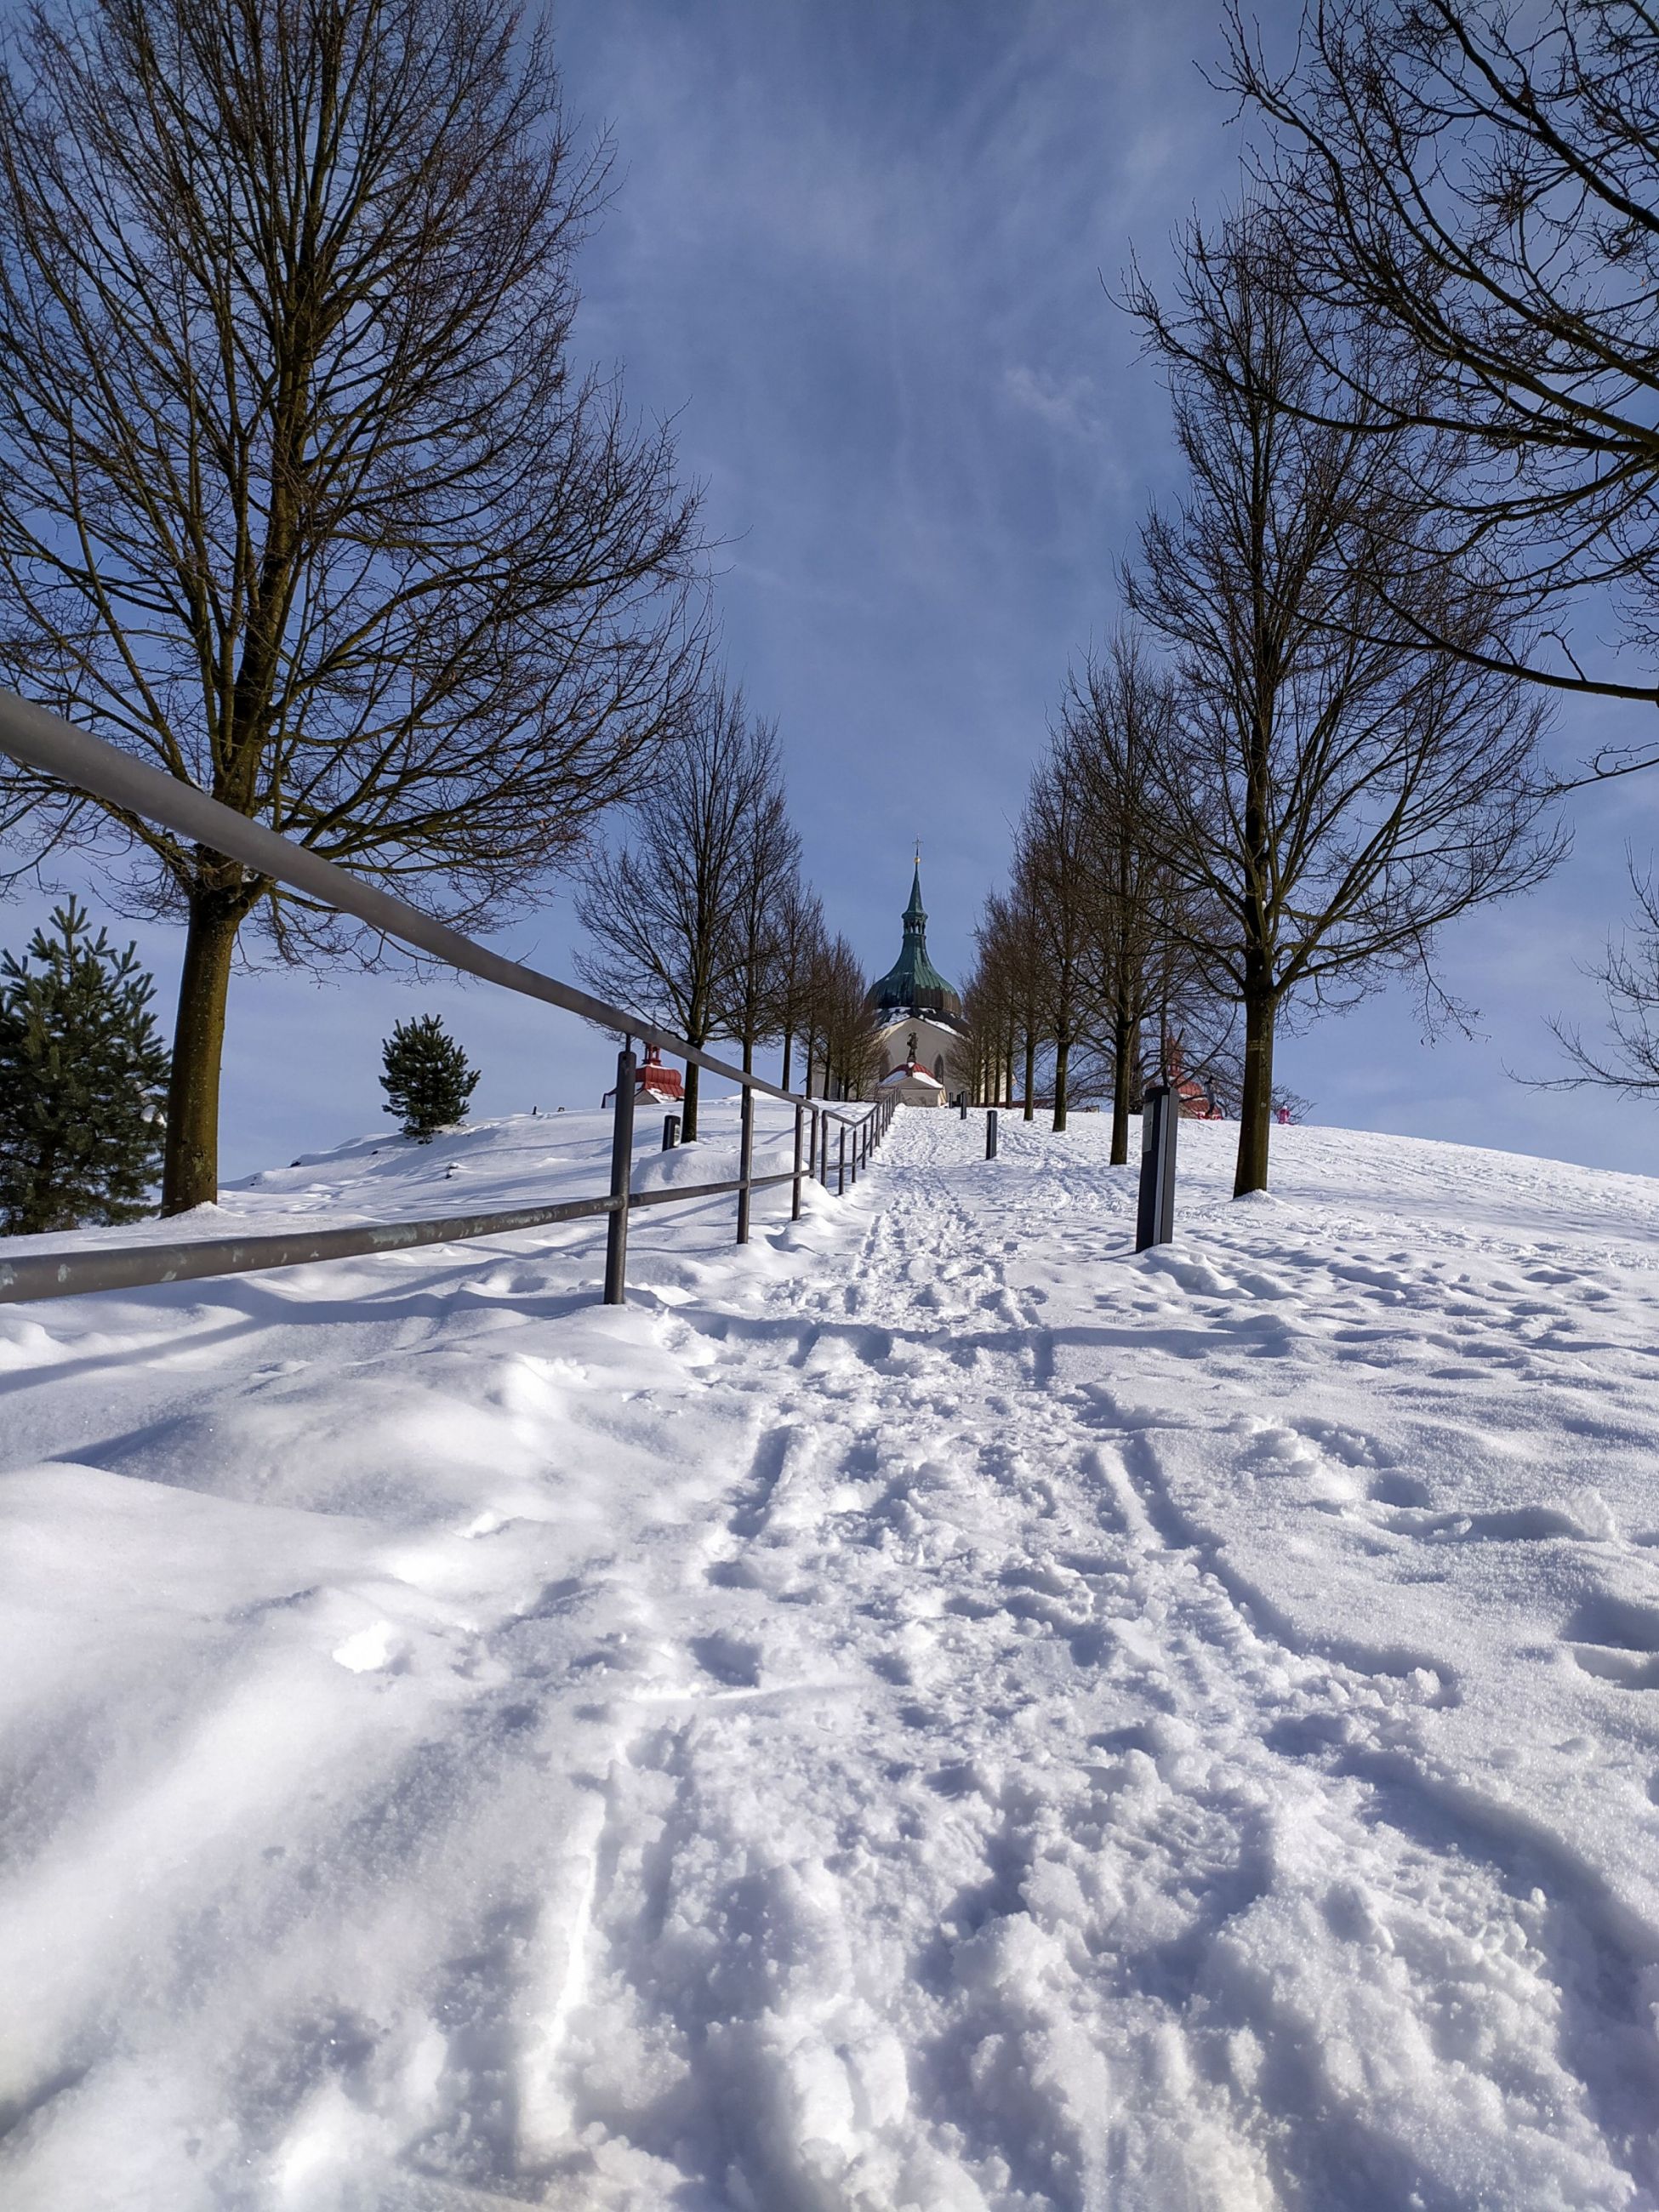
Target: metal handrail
{"points": [[132, 1267], [43, 741]]}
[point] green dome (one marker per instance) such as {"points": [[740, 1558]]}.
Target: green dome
{"points": [[913, 984]]}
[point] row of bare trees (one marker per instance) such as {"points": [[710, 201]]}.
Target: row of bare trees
{"points": [[1415, 389], [1315, 749], [699, 914], [1082, 983]]}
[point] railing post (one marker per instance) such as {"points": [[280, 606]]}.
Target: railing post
{"points": [[745, 1161], [991, 1134], [824, 1150], [1155, 1215], [794, 1194], [621, 1163], [841, 1162], [670, 1132]]}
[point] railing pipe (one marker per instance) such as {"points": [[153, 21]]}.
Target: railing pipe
{"points": [[56, 749], [44, 742]]}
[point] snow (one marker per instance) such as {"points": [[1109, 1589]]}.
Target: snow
{"points": [[931, 1710]]}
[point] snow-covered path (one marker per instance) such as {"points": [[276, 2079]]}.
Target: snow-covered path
{"points": [[935, 1711]]}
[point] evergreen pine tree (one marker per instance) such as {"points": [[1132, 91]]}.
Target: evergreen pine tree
{"points": [[426, 1081], [82, 1080]]}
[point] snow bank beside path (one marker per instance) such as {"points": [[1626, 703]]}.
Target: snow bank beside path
{"points": [[932, 1710]]}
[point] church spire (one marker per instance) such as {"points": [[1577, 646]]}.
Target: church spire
{"points": [[913, 984], [916, 914]]}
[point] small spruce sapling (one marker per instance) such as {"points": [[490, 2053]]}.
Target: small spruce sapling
{"points": [[82, 1081], [426, 1081]]}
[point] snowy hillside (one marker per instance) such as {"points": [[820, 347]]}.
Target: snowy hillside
{"points": [[932, 1711]]}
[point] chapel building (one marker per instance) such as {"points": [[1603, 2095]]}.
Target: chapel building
{"points": [[921, 1056]]}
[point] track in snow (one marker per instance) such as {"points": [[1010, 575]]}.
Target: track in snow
{"points": [[1003, 1850], [947, 1715]]}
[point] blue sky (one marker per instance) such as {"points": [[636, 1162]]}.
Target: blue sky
{"points": [[860, 252]]}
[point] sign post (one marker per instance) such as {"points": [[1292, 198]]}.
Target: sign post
{"points": [[1159, 1118], [621, 1160]]}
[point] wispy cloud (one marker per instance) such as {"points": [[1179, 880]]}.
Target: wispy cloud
{"points": [[1069, 403]]}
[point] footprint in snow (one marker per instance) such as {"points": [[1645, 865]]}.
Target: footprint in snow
{"points": [[732, 1660]]}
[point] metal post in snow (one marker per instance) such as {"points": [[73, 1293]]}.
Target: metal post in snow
{"points": [[991, 1134], [670, 1132], [622, 1161], [745, 1161], [841, 1162], [794, 1191], [1155, 1215]]}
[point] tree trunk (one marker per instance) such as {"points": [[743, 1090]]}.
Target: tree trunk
{"points": [[689, 1105], [1123, 1073], [1031, 1077], [1063, 1053], [190, 1171], [1255, 1107], [788, 1040]]}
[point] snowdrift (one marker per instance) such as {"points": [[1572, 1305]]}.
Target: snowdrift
{"points": [[932, 1710]]}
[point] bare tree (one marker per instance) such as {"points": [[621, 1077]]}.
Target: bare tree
{"points": [[990, 1007], [1054, 869], [1118, 713], [1009, 968], [663, 908], [762, 909], [800, 940], [1336, 789], [1478, 188], [299, 497], [1628, 973], [841, 1023]]}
